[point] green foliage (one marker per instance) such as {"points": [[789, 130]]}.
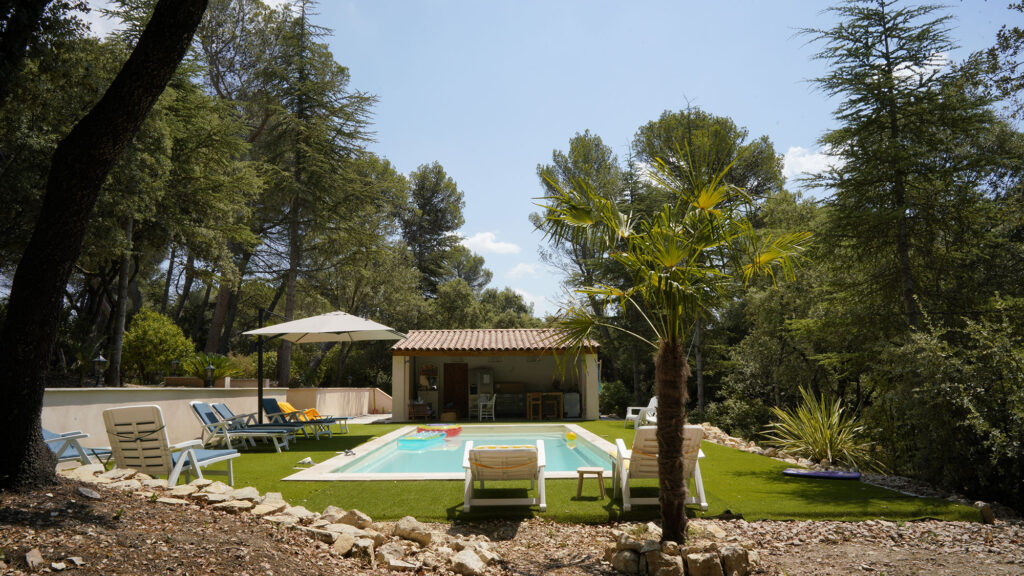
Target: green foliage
{"points": [[614, 398], [222, 366], [822, 430], [433, 217], [151, 343], [460, 262], [457, 305], [739, 415], [753, 166], [954, 413]]}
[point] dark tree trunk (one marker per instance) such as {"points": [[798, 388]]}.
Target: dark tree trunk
{"points": [[342, 360], [284, 353], [167, 282], [220, 310], [311, 371], [229, 320], [117, 337], [79, 166], [671, 372], [186, 288], [200, 314]]}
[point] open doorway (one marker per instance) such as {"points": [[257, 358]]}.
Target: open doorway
{"points": [[456, 389]]}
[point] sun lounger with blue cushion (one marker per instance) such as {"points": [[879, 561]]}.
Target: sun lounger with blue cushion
{"points": [[216, 430], [66, 445], [248, 421], [277, 414]]}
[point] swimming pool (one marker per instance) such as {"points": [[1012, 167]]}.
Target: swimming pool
{"points": [[382, 459]]}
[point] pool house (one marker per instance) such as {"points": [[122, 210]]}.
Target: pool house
{"points": [[526, 373]]}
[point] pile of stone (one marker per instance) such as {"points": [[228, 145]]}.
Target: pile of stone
{"points": [[408, 546], [718, 436], [639, 550]]}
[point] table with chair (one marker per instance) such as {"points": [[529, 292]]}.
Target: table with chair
{"points": [[544, 406]]}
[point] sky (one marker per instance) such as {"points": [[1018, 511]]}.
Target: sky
{"points": [[491, 88]]}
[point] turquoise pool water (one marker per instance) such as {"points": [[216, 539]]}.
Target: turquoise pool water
{"points": [[561, 455]]}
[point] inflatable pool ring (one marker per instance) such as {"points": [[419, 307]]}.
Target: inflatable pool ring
{"points": [[448, 429], [421, 440]]}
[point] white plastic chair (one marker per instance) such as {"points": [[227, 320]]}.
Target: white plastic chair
{"points": [[486, 406], [138, 440], [633, 412], [643, 463], [504, 463]]}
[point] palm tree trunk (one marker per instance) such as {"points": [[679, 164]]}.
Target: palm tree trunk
{"points": [[671, 372]]}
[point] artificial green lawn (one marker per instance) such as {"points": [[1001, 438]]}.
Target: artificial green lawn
{"points": [[734, 481]]}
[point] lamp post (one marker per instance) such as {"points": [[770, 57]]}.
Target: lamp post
{"points": [[210, 369], [99, 363]]}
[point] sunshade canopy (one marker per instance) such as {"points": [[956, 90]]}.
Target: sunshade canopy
{"points": [[330, 327]]}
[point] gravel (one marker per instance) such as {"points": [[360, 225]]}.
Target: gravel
{"points": [[129, 534]]}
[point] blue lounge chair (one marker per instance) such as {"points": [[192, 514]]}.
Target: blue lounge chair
{"points": [[66, 445], [216, 430], [138, 439], [248, 421]]}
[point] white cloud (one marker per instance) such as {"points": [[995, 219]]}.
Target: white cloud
{"points": [[800, 161], [485, 243], [522, 269], [529, 298]]}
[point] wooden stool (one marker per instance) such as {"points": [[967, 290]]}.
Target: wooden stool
{"points": [[593, 471]]}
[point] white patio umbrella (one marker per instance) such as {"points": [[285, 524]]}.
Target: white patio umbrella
{"points": [[330, 327]]}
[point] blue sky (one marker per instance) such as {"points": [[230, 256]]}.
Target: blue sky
{"points": [[490, 88]]}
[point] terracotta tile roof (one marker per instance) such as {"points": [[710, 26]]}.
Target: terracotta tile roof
{"points": [[508, 340]]}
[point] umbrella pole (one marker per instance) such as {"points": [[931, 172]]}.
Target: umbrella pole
{"points": [[259, 370]]}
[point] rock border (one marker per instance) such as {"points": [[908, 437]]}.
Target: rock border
{"points": [[408, 546]]}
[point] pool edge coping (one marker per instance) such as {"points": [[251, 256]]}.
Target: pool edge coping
{"points": [[324, 471]]}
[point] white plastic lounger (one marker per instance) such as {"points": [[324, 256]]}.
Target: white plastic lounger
{"points": [[138, 440], [643, 463], [634, 413], [522, 462]]}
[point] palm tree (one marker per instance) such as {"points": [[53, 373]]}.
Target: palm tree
{"points": [[678, 261]]}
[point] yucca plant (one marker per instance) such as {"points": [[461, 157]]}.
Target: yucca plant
{"points": [[222, 366], [821, 429]]}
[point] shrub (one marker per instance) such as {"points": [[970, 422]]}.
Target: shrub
{"points": [[614, 398], [950, 406], [818, 430], [151, 343], [745, 417], [222, 366]]}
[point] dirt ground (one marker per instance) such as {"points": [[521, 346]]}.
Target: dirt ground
{"points": [[128, 534]]}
